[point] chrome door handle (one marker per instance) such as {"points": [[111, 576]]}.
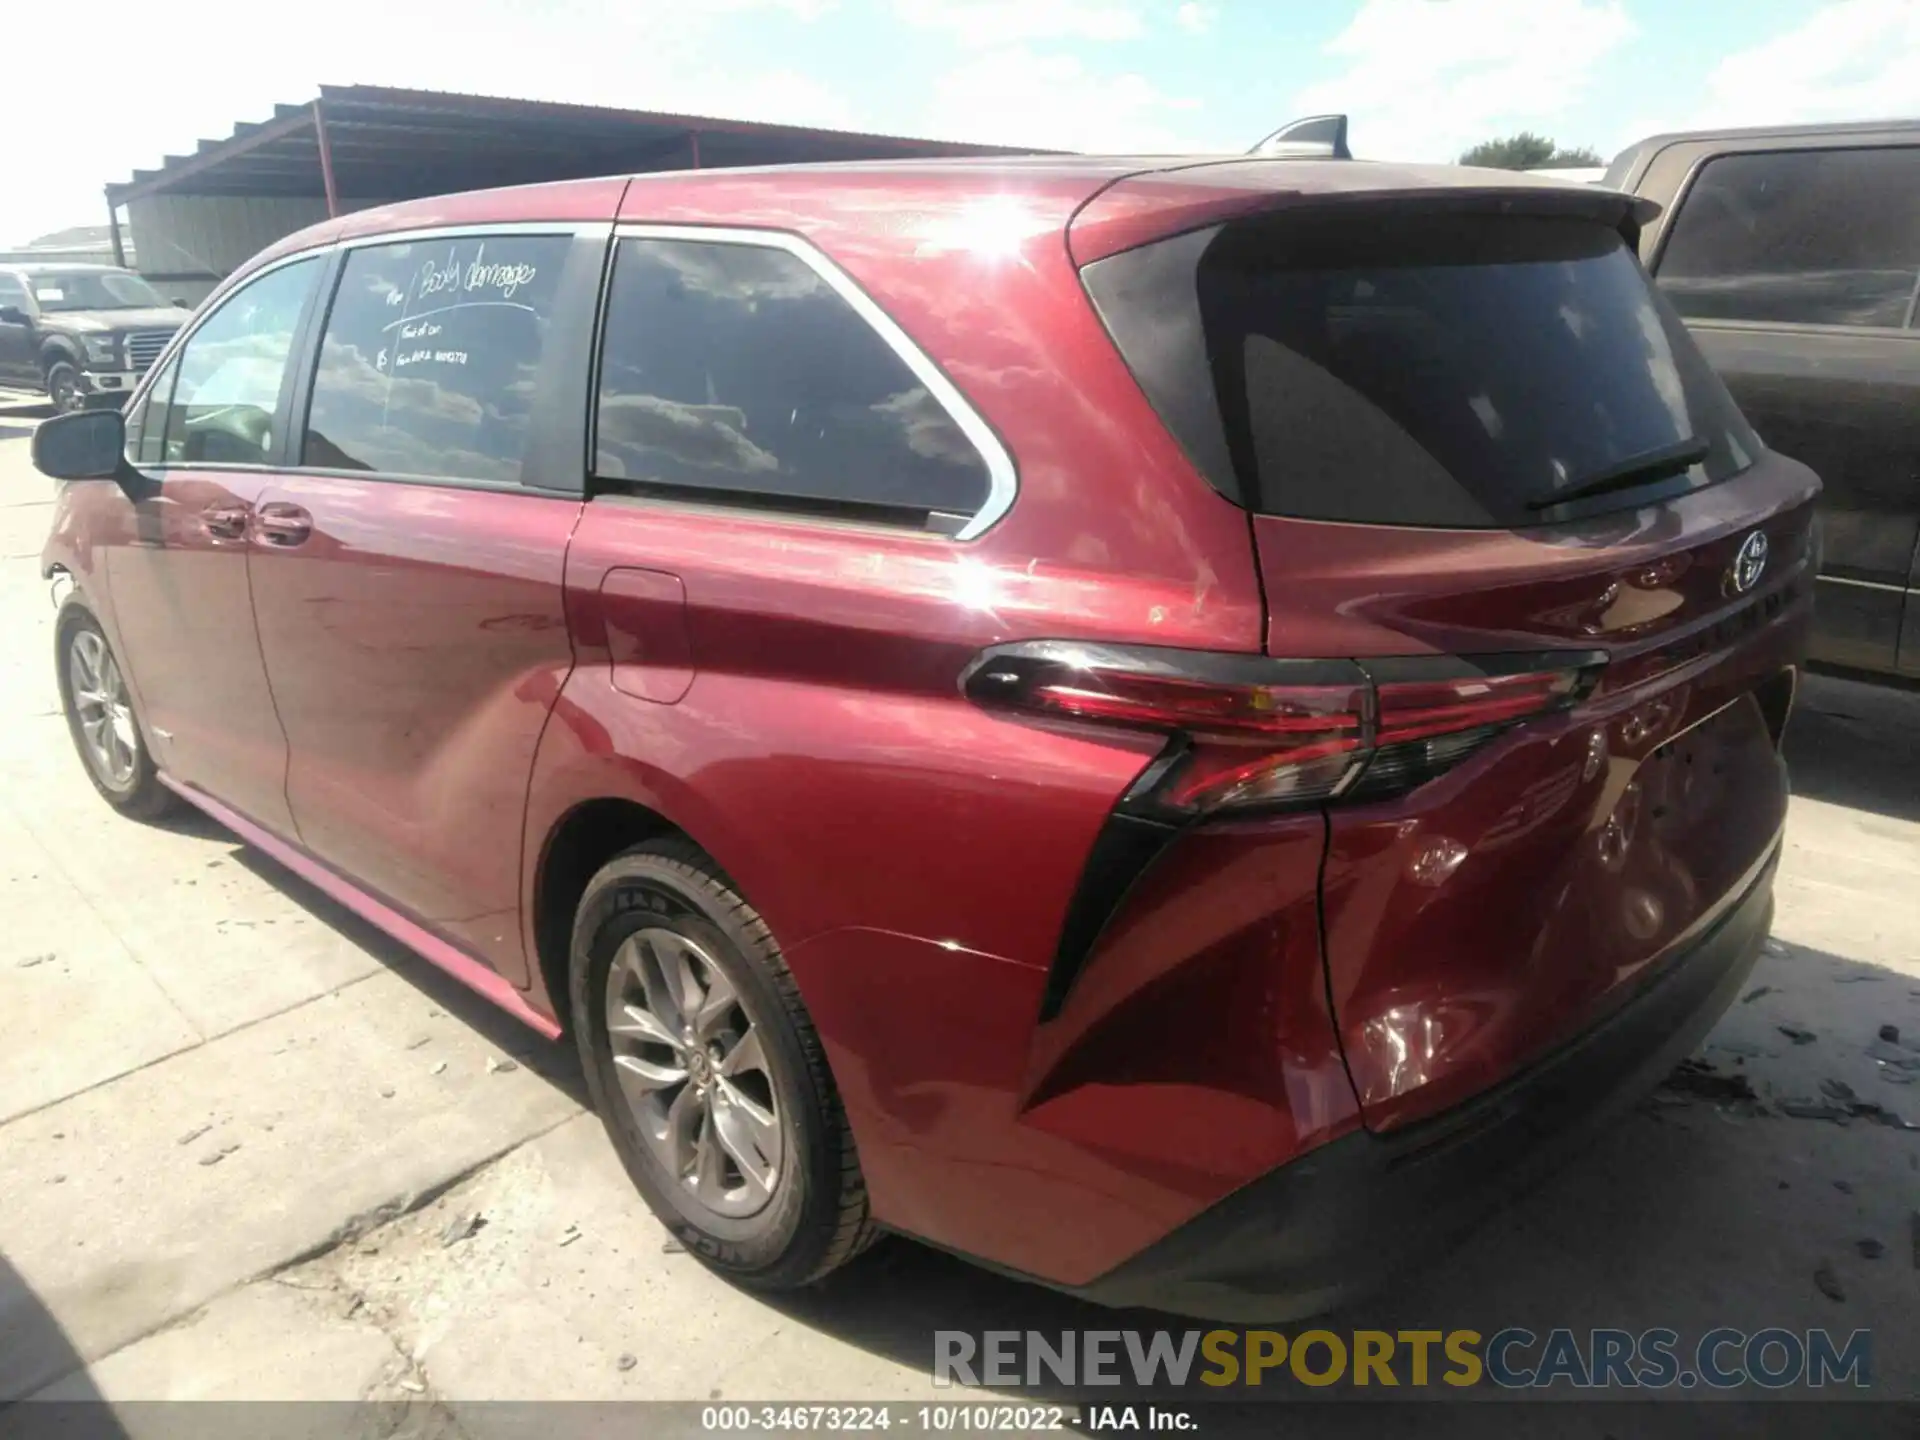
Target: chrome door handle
{"points": [[226, 522], [282, 524]]}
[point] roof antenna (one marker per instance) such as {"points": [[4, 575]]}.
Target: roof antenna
{"points": [[1322, 137]]}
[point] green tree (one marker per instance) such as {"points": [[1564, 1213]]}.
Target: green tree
{"points": [[1528, 151]]}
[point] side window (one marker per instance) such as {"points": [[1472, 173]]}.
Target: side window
{"points": [[739, 368], [430, 357], [1819, 237], [226, 384], [13, 293]]}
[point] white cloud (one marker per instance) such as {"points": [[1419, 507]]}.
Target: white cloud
{"points": [[1018, 97], [1424, 80], [1006, 22], [1850, 60], [1195, 18]]}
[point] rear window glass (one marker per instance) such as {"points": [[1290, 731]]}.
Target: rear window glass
{"points": [[1449, 370]]}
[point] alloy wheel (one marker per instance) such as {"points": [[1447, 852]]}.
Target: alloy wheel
{"points": [[100, 703], [692, 1068]]}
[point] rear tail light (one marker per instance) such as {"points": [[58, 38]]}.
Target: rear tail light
{"points": [[1247, 732]]}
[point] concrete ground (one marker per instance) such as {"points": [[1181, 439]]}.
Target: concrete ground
{"points": [[250, 1148]]}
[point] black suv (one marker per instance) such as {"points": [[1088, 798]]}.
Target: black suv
{"points": [[1794, 255], [82, 334]]}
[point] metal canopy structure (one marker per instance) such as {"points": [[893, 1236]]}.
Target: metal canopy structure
{"points": [[374, 143]]}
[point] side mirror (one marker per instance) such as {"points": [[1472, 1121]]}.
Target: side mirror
{"points": [[85, 445], [13, 315], [180, 304]]}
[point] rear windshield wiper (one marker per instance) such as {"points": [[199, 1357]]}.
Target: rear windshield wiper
{"points": [[1641, 469]]}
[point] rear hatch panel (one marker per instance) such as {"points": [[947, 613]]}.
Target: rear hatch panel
{"points": [[1476, 430]]}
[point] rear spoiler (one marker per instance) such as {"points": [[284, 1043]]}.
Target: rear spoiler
{"points": [[1318, 137], [1158, 204]]}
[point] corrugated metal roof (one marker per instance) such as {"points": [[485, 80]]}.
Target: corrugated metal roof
{"points": [[399, 144]]}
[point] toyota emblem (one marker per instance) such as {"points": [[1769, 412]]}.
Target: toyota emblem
{"points": [[1749, 564]]}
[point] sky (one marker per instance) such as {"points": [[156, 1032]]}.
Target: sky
{"points": [[1421, 79]]}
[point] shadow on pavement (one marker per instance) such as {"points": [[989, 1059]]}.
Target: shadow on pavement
{"points": [[185, 819], [33, 1343], [556, 1062], [1855, 743]]}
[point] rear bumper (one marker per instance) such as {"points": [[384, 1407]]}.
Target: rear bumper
{"points": [[1332, 1224]]}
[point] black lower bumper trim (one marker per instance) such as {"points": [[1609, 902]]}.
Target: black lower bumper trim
{"points": [[1334, 1223]]}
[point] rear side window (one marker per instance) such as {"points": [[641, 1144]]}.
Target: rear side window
{"points": [[1812, 237], [738, 370], [430, 357], [1444, 370]]}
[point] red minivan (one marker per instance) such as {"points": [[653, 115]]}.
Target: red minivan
{"points": [[1176, 727]]}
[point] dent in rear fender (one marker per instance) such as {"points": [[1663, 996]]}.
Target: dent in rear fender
{"points": [[1507, 905]]}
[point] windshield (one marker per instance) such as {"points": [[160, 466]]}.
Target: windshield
{"points": [[58, 290]]}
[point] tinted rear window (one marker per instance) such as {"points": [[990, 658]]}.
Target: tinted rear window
{"points": [[1443, 370]]}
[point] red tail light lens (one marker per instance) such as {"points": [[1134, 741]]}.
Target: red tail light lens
{"points": [[1250, 732]]}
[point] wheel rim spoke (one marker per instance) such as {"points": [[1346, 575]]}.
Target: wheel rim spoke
{"points": [[635, 1022], [663, 1000], [677, 972], [746, 1057], [707, 1178], [642, 1077], [684, 1118], [750, 1134], [718, 1003]]}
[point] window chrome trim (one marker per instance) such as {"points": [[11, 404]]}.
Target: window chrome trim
{"points": [[1002, 478], [480, 229], [1861, 584]]}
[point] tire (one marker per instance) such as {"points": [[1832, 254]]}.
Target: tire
{"points": [[63, 387], [100, 718], [646, 912]]}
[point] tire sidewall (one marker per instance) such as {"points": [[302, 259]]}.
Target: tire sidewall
{"points": [[775, 1246]]}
